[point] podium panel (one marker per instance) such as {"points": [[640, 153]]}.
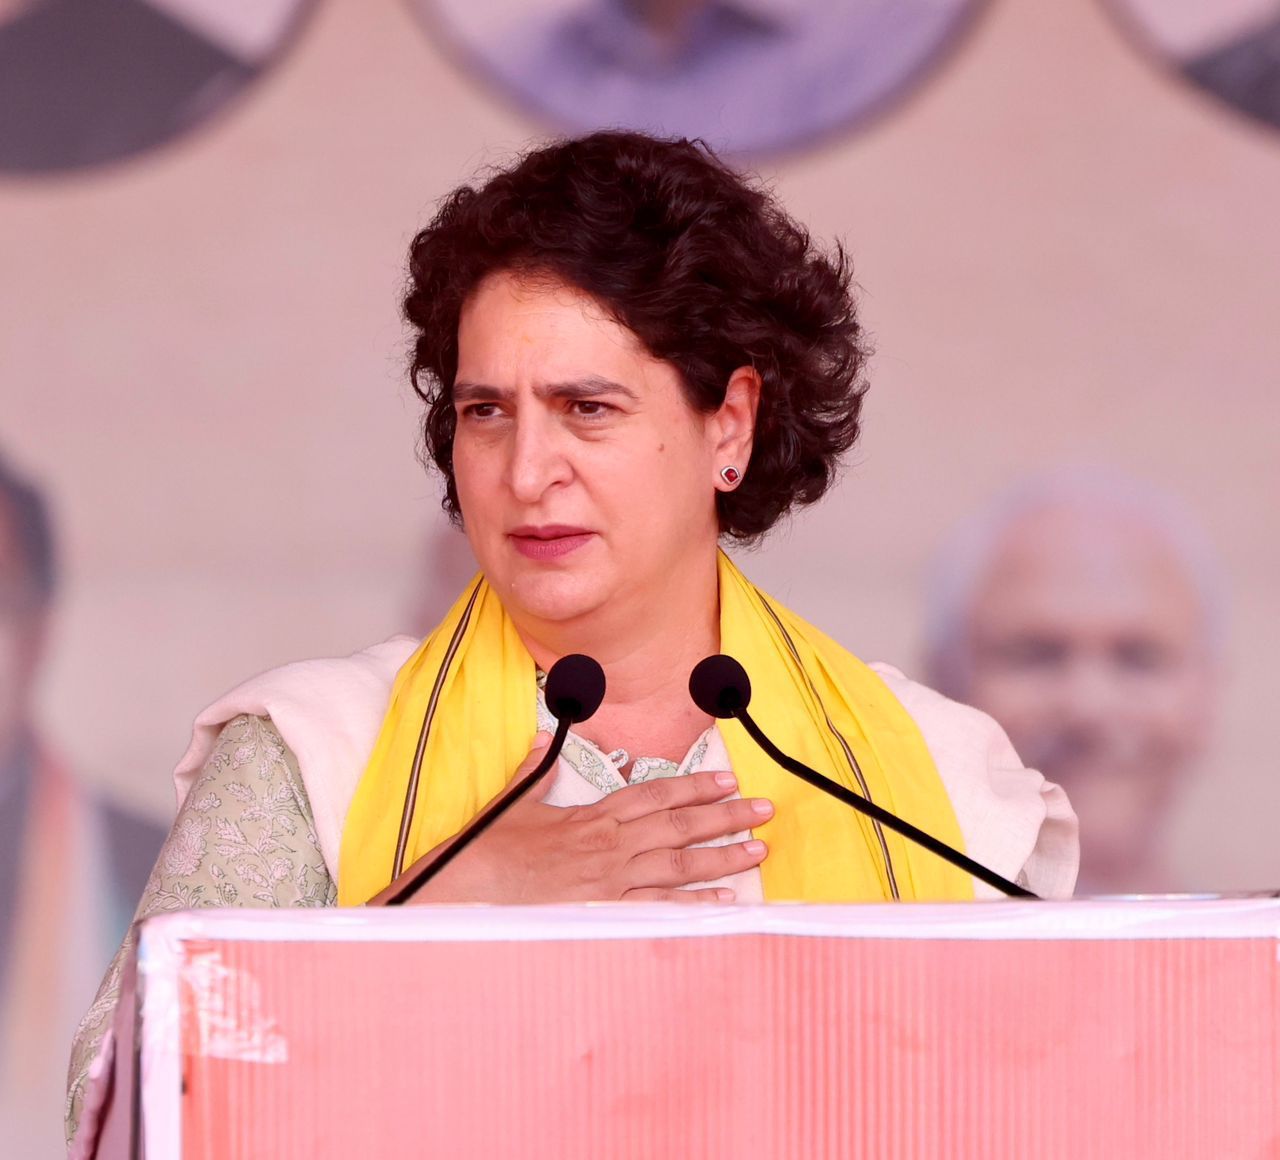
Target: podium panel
{"points": [[984, 1030]]}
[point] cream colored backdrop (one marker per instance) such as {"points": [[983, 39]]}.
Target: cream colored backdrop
{"points": [[1065, 254]]}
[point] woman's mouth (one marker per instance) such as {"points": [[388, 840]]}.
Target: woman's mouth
{"points": [[548, 541]]}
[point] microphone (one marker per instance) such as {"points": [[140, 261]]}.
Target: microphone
{"points": [[720, 687], [575, 688]]}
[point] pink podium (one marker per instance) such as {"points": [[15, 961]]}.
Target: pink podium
{"points": [[1082, 1029]]}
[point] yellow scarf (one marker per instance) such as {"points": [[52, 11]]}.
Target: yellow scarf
{"points": [[473, 684]]}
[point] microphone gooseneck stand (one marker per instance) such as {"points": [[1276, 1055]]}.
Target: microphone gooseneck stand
{"points": [[720, 687], [575, 688]]}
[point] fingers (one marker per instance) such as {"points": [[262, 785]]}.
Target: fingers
{"points": [[667, 793], [541, 742], [672, 868], [689, 825], [653, 894]]}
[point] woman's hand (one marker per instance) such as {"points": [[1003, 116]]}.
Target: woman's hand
{"points": [[632, 844]]}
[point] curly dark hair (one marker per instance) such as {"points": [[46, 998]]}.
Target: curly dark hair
{"points": [[702, 265]]}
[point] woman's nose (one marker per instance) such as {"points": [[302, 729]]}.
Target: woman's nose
{"points": [[537, 462]]}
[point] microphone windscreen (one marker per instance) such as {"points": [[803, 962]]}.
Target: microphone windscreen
{"points": [[575, 688], [720, 686]]}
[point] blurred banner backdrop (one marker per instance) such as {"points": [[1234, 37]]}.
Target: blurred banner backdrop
{"points": [[1063, 218]]}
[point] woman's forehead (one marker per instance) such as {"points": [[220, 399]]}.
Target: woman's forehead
{"points": [[535, 300], [544, 330]]}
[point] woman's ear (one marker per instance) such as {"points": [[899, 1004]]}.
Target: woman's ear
{"points": [[732, 427]]}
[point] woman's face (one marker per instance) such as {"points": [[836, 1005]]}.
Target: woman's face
{"points": [[583, 474]]}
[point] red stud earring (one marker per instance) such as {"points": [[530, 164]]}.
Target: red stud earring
{"points": [[731, 475]]}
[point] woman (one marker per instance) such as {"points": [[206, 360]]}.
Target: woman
{"points": [[627, 354]]}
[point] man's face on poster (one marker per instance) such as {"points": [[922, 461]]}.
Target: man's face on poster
{"points": [[22, 631], [1087, 641]]}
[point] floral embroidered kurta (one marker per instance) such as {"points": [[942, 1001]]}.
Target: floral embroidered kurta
{"points": [[242, 838]]}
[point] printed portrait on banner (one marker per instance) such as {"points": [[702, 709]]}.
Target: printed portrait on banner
{"points": [[749, 76]]}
